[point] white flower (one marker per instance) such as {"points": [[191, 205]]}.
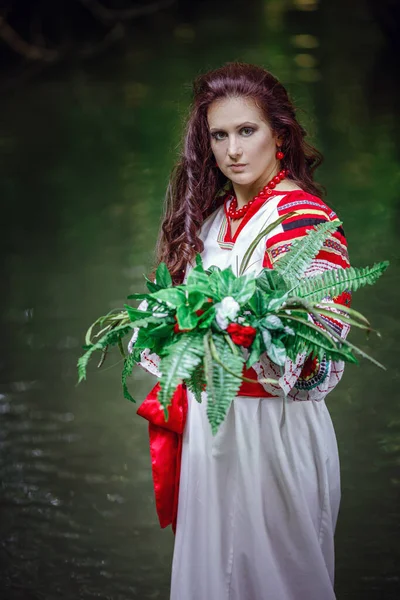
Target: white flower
{"points": [[227, 310]]}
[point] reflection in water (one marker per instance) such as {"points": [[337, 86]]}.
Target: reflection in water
{"points": [[85, 158]]}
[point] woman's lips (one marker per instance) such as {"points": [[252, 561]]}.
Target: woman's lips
{"points": [[238, 167]]}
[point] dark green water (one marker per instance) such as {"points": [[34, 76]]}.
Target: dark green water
{"points": [[85, 155]]}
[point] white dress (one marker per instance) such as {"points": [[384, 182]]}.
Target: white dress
{"points": [[258, 502]]}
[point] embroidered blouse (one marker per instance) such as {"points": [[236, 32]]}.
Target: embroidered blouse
{"points": [[305, 378]]}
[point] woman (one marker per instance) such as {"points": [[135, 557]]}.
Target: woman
{"points": [[258, 502]]}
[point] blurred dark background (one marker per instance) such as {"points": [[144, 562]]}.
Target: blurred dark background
{"points": [[93, 95]]}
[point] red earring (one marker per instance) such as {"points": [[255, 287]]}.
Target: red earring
{"points": [[279, 155]]}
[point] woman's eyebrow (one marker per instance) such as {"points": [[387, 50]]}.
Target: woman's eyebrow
{"points": [[246, 123]]}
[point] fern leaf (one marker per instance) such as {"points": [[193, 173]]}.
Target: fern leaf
{"points": [[292, 265], [334, 282], [109, 339], [225, 385], [182, 358], [197, 382], [129, 363]]}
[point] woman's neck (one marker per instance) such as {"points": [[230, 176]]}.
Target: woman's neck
{"points": [[245, 193]]}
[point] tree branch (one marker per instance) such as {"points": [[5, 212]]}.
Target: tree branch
{"points": [[114, 35], [25, 49], [37, 53], [106, 15]]}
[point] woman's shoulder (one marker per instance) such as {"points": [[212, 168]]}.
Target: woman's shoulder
{"points": [[308, 211], [306, 205]]}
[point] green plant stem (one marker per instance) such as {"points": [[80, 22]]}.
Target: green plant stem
{"points": [[116, 320], [346, 309], [250, 250], [338, 337], [233, 346], [207, 362], [121, 348], [333, 315], [311, 326], [103, 357]]}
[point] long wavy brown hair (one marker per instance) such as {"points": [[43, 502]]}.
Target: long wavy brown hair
{"points": [[195, 181]]}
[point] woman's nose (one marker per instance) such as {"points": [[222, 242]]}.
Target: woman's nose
{"points": [[234, 149]]}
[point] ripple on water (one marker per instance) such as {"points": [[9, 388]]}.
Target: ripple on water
{"points": [[25, 386], [116, 498]]}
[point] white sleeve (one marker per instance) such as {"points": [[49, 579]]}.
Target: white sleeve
{"points": [[304, 379]]}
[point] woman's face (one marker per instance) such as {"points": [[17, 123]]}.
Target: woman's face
{"points": [[243, 143]]}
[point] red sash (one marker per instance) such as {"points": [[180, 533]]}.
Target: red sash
{"points": [[166, 443], [166, 450]]}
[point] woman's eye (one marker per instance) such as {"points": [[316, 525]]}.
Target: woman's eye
{"points": [[246, 131], [218, 135]]}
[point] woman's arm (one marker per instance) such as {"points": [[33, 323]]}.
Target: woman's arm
{"points": [[307, 378]]}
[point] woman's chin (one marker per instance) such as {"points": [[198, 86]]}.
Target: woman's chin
{"points": [[242, 178]]}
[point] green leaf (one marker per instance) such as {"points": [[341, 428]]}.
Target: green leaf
{"points": [[153, 319], [345, 309], [267, 338], [143, 296], [172, 296], [220, 281], [258, 303], [151, 285], [255, 351], [225, 283], [243, 289], [163, 277], [206, 318], [198, 281], [336, 281], [129, 363], [277, 352], [182, 358], [225, 385], [196, 299], [199, 263], [275, 300], [135, 313], [145, 339], [187, 319], [293, 264], [270, 280], [162, 330], [211, 269], [272, 322]]}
